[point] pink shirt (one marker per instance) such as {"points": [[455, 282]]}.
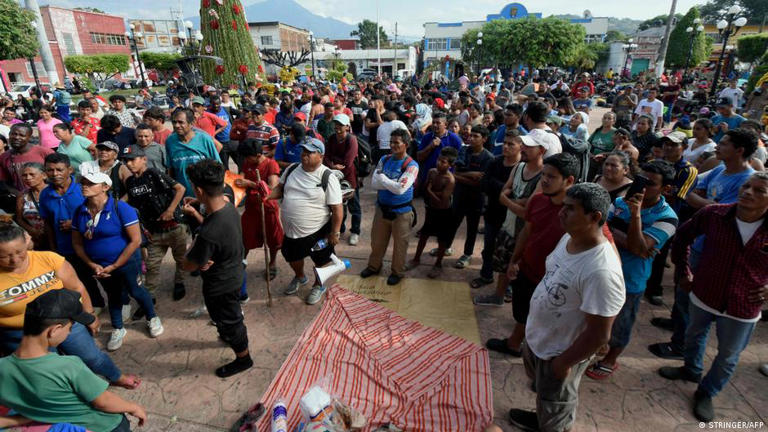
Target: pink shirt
{"points": [[45, 129]]}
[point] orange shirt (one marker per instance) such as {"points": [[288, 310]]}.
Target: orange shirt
{"points": [[161, 136], [209, 122], [18, 289]]}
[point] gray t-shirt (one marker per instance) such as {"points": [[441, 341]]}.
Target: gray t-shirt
{"points": [[156, 157]]}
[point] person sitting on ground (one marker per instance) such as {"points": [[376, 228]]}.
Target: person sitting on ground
{"points": [[641, 225], [643, 138], [438, 221], [254, 161], [46, 387], [78, 148], [106, 236], [393, 178], [157, 197], [51, 272], [217, 253], [571, 310]]}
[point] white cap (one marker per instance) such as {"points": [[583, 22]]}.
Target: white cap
{"points": [[94, 175]]}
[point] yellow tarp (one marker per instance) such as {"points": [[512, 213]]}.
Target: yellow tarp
{"points": [[443, 305]]}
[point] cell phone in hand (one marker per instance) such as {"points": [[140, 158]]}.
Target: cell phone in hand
{"points": [[638, 185]]}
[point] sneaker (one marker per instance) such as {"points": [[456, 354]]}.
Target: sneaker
{"points": [[198, 312], [524, 420], [240, 364], [97, 311], [663, 323], [354, 239], [655, 300], [665, 350], [702, 406], [116, 340], [244, 301], [448, 252], [368, 272], [155, 327], [488, 300], [394, 279], [764, 369], [463, 262], [316, 294], [126, 312], [500, 346], [678, 373], [179, 291], [293, 286]]}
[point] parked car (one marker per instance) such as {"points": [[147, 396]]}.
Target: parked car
{"points": [[23, 89]]}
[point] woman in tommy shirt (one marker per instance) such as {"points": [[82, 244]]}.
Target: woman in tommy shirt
{"points": [[24, 276]]}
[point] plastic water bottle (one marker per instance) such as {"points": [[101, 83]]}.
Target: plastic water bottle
{"points": [[320, 245], [279, 417]]}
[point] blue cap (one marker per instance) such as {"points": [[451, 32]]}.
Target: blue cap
{"points": [[313, 145]]}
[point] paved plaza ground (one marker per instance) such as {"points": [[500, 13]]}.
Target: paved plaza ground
{"points": [[181, 393]]}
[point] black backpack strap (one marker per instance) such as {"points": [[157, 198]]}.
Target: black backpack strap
{"points": [[324, 180], [289, 170]]}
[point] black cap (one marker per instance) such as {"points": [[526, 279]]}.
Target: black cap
{"points": [[724, 101], [58, 304], [132, 152], [259, 108]]}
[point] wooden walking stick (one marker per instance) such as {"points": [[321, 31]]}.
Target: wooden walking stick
{"points": [[266, 247]]}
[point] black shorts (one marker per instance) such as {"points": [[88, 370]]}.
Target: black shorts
{"points": [[522, 291], [439, 223], [297, 249]]}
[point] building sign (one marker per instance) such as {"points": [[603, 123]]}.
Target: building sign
{"points": [[513, 11]]}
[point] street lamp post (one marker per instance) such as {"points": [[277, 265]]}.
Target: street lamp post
{"points": [[690, 30], [34, 68], [726, 27], [479, 50], [133, 38], [628, 47], [312, 52]]}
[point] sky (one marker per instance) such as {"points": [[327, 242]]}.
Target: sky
{"points": [[409, 18]]}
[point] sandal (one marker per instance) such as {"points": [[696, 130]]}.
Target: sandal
{"points": [[272, 273], [479, 282], [131, 382], [599, 371]]}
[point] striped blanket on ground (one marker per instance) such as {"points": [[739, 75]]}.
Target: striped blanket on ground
{"points": [[387, 367]]}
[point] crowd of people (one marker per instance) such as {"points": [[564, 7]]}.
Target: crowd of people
{"points": [[578, 222]]}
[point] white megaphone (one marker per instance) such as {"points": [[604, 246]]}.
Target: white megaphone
{"points": [[325, 273]]}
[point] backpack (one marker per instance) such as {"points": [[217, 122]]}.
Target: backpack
{"points": [[363, 161], [580, 149]]}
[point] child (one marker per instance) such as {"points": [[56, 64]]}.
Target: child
{"points": [[439, 218], [49, 388]]}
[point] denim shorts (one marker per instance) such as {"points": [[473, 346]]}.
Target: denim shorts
{"points": [[625, 320]]}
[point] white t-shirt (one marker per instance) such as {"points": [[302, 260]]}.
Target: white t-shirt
{"points": [[5, 131], [589, 282], [548, 140], [304, 208], [385, 130], [734, 94], [655, 109], [691, 155]]}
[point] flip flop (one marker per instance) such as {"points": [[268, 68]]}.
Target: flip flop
{"points": [[132, 382], [599, 372], [272, 272]]}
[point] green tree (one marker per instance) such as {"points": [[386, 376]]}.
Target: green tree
{"points": [[680, 43], [17, 36], [754, 10], [337, 71], [225, 35], [615, 35], [98, 67], [366, 32], [657, 21], [90, 9], [752, 47], [162, 62]]}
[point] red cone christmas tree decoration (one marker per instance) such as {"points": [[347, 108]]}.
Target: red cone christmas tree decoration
{"points": [[231, 42]]}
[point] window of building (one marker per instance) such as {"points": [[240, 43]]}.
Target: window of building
{"points": [[455, 44], [102, 39], [266, 40], [69, 43], [437, 44], [39, 68]]}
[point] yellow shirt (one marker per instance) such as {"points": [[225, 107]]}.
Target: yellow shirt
{"points": [[18, 289]]}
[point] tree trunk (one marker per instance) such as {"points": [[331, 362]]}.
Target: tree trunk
{"points": [[665, 42]]}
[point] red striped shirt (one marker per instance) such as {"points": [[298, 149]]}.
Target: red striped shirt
{"points": [[387, 367]]}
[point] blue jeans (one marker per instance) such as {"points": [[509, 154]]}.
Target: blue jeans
{"points": [[681, 306], [489, 246], [732, 337], [625, 320], [126, 279], [79, 343], [353, 207]]}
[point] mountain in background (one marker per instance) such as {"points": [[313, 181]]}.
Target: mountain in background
{"points": [[291, 13], [627, 26]]}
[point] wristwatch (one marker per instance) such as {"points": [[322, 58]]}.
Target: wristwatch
{"points": [[336, 234]]}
